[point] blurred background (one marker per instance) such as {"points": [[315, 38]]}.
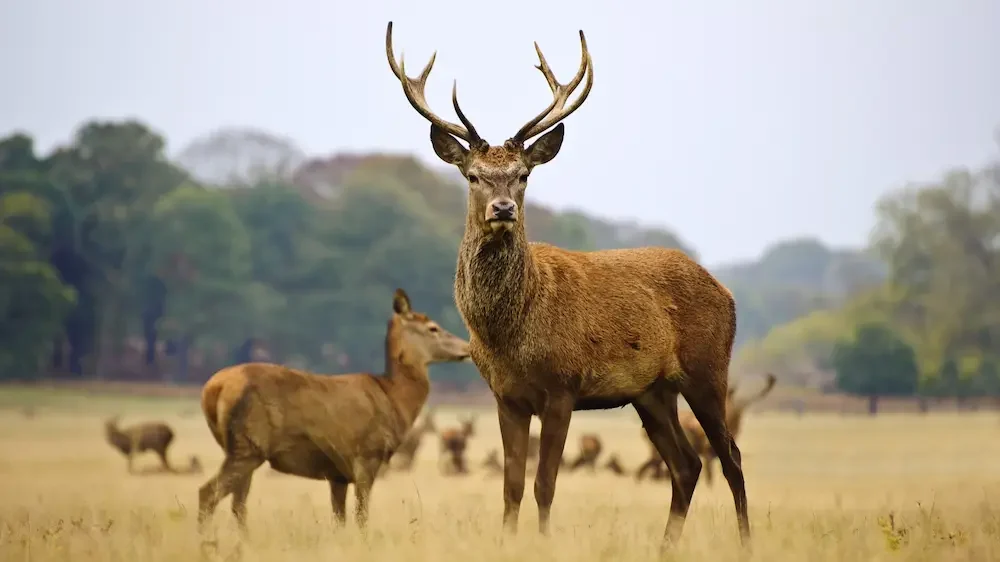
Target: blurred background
{"points": [[189, 185]]}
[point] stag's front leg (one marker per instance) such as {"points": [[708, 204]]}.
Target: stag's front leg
{"points": [[514, 424], [555, 426]]}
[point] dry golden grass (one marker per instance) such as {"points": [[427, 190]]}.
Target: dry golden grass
{"points": [[820, 487]]}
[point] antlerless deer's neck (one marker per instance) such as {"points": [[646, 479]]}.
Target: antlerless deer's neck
{"points": [[407, 382], [495, 282]]}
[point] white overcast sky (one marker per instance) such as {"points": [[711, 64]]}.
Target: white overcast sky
{"points": [[732, 123]]}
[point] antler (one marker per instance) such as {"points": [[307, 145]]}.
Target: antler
{"points": [[414, 90], [555, 112]]}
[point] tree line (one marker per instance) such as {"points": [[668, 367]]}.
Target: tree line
{"points": [[931, 327], [121, 263]]}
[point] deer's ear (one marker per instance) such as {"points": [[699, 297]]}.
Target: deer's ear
{"points": [[447, 147], [400, 302], [546, 147]]}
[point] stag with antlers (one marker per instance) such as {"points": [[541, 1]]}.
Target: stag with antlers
{"points": [[555, 331]]}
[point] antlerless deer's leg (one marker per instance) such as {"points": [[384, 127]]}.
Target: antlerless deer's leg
{"points": [[555, 425], [514, 425], [231, 473], [241, 488], [364, 478], [338, 497]]}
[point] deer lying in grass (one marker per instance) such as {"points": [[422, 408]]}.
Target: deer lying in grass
{"points": [[341, 429], [149, 436], [590, 449], [735, 410], [406, 453], [454, 441], [554, 331]]}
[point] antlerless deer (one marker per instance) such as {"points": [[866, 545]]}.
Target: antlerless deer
{"points": [[553, 331], [341, 429]]}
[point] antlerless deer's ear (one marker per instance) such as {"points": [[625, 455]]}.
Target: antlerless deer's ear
{"points": [[546, 147], [447, 147], [401, 302]]}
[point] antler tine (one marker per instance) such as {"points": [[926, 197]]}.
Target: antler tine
{"points": [[461, 115], [555, 112], [414, 91]]}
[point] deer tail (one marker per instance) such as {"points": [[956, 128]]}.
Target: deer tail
{"points": [[211, 408]]}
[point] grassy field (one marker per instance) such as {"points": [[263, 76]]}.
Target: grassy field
{"points": [[821, 487]]}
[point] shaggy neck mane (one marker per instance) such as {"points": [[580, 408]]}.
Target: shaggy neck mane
{"points": [[497, 281], [405, 380]]}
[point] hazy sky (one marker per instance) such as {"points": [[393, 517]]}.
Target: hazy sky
{"points": [[732, 123]]}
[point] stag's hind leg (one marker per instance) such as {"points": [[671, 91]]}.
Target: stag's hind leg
{"points": [[657, 408], [555, 426], [708, 402]]}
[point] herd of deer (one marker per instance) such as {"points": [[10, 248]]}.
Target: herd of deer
{"points": [[552, 331]]}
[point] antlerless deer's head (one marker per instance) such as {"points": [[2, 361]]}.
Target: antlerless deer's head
{"points": [[497, 175], [425, 337]]}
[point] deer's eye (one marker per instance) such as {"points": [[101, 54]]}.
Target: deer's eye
{"points": [[434, 329], [524, 178], [473, 178]]}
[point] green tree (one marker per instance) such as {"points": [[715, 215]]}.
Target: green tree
{"points": [[390, 238], [33, 300], [200, 250], [103, 188], [875, 362], [294, 268], [939, 241]]}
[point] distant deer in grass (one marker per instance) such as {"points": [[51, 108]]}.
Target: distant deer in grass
{"points": [[590, 449], [406, 453], [453, 444], [534, 444], [341, 429], [614, 465], [193, 467], [654, 467], [130, 441], [492, 463], [555, 331], [735, 410]]}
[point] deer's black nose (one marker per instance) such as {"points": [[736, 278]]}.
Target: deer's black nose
{"points": [[504, 210]]}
